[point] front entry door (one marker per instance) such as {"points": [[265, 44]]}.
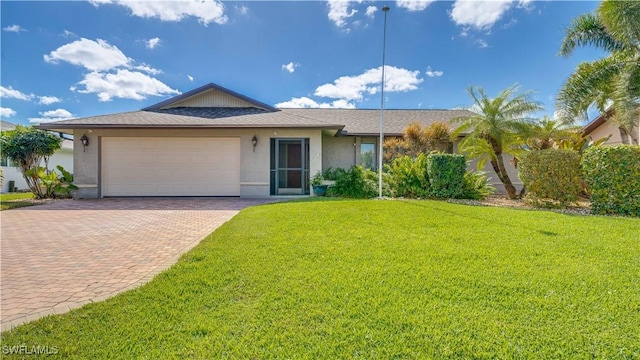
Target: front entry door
{"points": [[289, 166]]}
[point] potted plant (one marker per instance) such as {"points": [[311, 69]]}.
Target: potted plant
{"points": [[319, 189]]}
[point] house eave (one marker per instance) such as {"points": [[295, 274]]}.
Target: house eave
{"points": [[61, 127]]}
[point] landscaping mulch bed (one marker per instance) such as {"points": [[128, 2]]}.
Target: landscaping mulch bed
{"points": [[582, 207]]}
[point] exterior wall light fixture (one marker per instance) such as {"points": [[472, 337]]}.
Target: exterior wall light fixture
{"points": [[254, 141], [85, 142]]}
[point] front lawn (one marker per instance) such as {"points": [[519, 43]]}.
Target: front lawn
{"points": [[376, 279], [16, 200]]}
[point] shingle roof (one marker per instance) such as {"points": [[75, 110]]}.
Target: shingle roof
{"points": [[195, 118], [351, 121], [6, 126], [367, 122]]}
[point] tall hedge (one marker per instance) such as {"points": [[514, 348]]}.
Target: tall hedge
{"points": [[613, 177], [446, 175], [551, 176]]}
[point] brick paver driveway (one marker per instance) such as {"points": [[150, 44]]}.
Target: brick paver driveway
{"points": [[59, 256]]}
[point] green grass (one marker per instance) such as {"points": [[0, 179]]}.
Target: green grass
{"points": [[16, 200], [376, 279]]}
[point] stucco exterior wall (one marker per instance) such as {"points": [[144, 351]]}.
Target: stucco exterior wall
{"points": [[608, 128], [254, 172], [338, 152]]}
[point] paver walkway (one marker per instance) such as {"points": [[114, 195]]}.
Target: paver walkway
{"points": [[60, 256]]}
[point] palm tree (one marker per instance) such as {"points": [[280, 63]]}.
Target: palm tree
{"points": [[494, 129], [615, 79], [546, 133]]}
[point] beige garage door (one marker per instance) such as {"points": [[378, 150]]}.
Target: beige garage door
{"points": [[137, 166]]}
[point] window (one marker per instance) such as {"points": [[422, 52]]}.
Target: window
{"points": [[4, 161], [368, 155]]}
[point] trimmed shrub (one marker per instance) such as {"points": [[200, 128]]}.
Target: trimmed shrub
{"points": [[551, 177], [408, 177], [356, 182], [477, 185], [446, 175], [612, 175]]}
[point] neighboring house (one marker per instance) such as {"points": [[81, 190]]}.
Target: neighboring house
{"points": [[212, 141], [63, 157], [600, 128]]}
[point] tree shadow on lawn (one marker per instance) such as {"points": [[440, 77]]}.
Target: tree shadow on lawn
{"points": [[493, 219]]}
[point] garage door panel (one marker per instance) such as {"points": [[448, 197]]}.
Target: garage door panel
{"points": [[170, 166]]}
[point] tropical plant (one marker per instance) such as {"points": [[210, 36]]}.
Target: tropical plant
{"points": [[495, 127], [27, 147], [49, 184], [408, 177], [477, 185], [417, 140], [615, 79], [546, 133], [580, 143], [356, 182]]}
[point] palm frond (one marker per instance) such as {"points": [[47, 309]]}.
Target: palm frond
{"points": [[588, 30], [591, 83], [622, 22]]}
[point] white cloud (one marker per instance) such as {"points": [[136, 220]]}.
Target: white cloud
{"points": [[511, 23], [306, 103], [110, 73], [371, 11], [152, 43], [483, 44], [340, 11], [57, 113], [190, 77], [148, 69], [206, 11], [12, 93], [526, 4], [52, 115], [414, 5], [355, 87], [93, 55], [67, 33], [431, 73], [242, 10], [290, 67], [123, 84], [48, 100], [479, 14], [13, 28], [6, 112]]}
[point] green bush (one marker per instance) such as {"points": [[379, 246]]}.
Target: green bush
{"points": [[356, 182], [477, 185], [551, 177], [612, 175], [446, 175], [408, 177]]}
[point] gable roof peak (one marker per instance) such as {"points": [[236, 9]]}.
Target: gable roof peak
{"points": [[210, 86]]}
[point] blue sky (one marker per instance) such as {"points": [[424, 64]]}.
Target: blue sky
{"points": [[75, 58]]}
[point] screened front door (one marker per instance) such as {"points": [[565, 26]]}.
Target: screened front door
{"points": [[289, 166]]}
